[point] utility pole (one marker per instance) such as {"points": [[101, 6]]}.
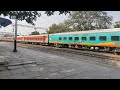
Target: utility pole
{"points": [[15, 36]]}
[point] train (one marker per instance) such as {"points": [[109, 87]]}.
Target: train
{"points": [[103, 39]]}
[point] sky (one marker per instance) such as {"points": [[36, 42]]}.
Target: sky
{"points": [[46, 21], [115, 15]]}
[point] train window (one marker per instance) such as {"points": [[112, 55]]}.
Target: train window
{"points": [[70, 38], [92, 38], [84, 38], [115, 38], [102, 38], [65, 38], [60, 38], [76, 38]]}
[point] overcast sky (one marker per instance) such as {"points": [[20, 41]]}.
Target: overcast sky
{"points": [[45, 22]]}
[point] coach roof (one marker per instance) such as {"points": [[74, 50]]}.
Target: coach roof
{"points": [[90, 31]]}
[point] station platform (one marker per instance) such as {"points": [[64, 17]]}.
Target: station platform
{"points": [[35, 64]]}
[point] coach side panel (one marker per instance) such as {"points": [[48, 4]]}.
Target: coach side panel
{"points": [[109, 39]]}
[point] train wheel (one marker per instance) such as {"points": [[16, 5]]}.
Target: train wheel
{"points": [[76, 46], [107, 49], [69, 46], [79, 46], [115, 51]]}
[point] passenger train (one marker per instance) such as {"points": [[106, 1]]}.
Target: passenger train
{"points": [[105, 39]]}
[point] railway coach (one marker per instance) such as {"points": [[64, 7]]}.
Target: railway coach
{"points": [[7, 38], [36, 39], [31, 39], [20, 39], [107, 39]]}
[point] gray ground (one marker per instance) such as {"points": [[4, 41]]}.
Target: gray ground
{"points": [[35, 64]]}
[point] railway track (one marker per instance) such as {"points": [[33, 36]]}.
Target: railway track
{"points": [[101, 54]]}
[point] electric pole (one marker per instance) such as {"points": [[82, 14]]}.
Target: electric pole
{"points": [[15, 37]]}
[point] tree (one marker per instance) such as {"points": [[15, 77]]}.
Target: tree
{"points": [[49, 13], [28, 16], [43, 33], [89, 20], [58, 28], [35, 33], [117, 24]]}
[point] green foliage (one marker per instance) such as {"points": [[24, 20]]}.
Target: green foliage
{"points": [[58, 28], [49, 13], [82, 20], [35, 33], [28, 16], [43, 33], [89, 20], [78, 20], [117, 25]]}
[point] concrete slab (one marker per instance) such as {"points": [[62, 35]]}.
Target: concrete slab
{"points": [[2, 60], [2, 68], [35, 64]]}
